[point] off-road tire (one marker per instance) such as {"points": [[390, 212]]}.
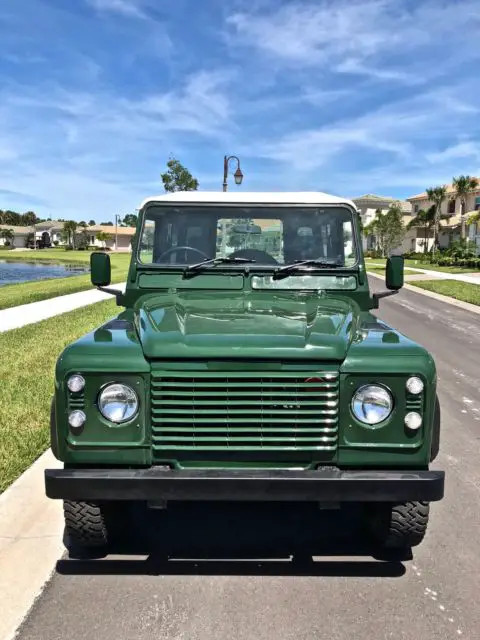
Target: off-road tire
{"points": [[400, 526], [85, 527], [436, 431]]}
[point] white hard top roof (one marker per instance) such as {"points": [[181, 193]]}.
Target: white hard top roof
{"points": [[250, 197]]}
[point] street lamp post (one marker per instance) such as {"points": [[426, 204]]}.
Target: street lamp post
{"points": [[238, 175]]}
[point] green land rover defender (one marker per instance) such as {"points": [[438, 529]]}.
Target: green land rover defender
{"points": [[246, 366]]}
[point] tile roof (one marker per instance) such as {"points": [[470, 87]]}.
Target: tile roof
{"points": [[16, 229], [450, 190], [106, 228]]}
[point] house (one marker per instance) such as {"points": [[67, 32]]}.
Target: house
{"points": [[19, 238], [51, 233], [370, 203], [451, 215], [120, 238]]}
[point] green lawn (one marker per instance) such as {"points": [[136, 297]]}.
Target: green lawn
{"points": [[13, 295], [452, 288], [26, 371], [418, 265]]}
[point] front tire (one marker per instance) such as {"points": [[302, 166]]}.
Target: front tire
{"points": [[399, 526], [86, 530]]}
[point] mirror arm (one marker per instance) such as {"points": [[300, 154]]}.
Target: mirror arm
{"points": [[113, 292], [382, 294]]}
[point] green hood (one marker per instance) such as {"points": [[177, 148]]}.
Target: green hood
{"points": [[266, 325]]}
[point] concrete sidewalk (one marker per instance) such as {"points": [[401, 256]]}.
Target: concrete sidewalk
{"points": [[34, 312], [30, 542]]}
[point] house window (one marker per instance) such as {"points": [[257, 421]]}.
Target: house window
{"points": [[477, 203], [451, 206], [415, 208], [92, 239]]}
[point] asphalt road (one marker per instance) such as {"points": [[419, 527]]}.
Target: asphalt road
{"points": [[335, 595]]}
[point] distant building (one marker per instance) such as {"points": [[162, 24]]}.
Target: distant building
{"points": [[370, 203], [50, 233], [451, 215]]}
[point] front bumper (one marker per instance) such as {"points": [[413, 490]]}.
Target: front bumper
{"points": [[327, 484]]}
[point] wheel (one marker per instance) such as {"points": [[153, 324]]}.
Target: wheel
{"points": [[399, 526], [85, 528], [436, 431]]}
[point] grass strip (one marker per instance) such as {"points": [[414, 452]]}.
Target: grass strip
{"points": [[415, 264], [27, 367], [13, 295], [464, 291]]}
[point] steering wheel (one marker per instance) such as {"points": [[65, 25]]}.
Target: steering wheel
{"points": [[169, 252], [261, 257]]}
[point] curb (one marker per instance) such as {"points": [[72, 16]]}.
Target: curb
{"points": [[31, 528], [467, 306]]}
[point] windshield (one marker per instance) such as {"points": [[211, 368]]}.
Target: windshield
{"points": [[268, 236]]}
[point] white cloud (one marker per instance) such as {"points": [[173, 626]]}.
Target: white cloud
{"points": [[467, 149], [364, 37], [129, 8], [101, 152]]}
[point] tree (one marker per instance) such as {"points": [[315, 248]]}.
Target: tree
{"points": [[69, 228], [388, 228], [425, 219], [8, 236], [82, 224], [91, 223], [130, 220], [106, 224], [178, 177], [29, 218], [464, 185], [437, 195], [103, 237]]}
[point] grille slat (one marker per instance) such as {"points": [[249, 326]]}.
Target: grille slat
{"points": [[238, 411]]}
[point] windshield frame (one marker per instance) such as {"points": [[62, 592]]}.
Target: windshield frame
{"points": [[252, 267]]}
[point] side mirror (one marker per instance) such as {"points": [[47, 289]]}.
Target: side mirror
{"points": [[100, 269], [394, 273]]}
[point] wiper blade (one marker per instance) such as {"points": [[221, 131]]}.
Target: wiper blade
{"points": [[298, 265], [193, 269]]}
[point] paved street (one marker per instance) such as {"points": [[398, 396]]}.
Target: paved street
{"points": [[336, 596]]}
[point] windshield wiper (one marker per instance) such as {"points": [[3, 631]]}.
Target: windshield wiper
{"points": [[194, 269], [298, 265]]}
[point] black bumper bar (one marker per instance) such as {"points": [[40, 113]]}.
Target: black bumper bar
{"points": [[326, 484]]}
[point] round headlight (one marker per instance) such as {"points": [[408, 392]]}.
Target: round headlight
{"points": [[415, 385], [118, 403], [372, 404], [76, 383]]}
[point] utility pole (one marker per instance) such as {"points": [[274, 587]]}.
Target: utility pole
{"points": [[117, 218]]}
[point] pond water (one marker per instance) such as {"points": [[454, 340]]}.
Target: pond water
{"points": [[14, 271]]}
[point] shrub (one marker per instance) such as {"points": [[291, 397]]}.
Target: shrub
{"points": [[68, 247], [55, 242]]}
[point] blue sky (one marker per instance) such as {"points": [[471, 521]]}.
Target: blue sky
{"points": [[345, 96]]}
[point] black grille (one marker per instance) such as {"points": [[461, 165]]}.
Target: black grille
{"points": [[239, 411]]}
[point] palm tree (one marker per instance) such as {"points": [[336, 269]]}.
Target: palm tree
{"points": [[425, 219], [464, 185], [437, 195], [8, 236], [69, 228]]}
